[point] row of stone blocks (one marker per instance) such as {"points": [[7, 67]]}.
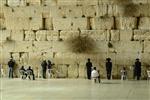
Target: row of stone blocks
{"points": [[36, 23], [97, 35], [68, 2]]}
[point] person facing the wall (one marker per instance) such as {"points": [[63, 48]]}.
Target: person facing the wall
{"points": [[108, 68], [89, 68], [11, 65], [137, 69], [44, 66]]}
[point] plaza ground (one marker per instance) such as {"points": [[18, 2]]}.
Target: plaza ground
{"points": [[73, 89]]}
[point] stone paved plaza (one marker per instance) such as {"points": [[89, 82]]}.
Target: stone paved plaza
{"points": [[74, 89]]}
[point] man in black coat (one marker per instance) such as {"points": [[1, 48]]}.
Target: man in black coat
{"points": [[89, 68], [44, 66], [11, 65], [108, 68], [137, 69]]}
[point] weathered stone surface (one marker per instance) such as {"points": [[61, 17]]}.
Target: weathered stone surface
{"points": [[130, 47], [87, 2], [97, 35], [2, 24], [140, 35], [52, 36], [65, 35], [41, 35], [17, 35], [146, 47], [101, 10], [126, 23], [16, 2], [34, 2], [102, 23], [69, 23], [5, 35], [66, 11], [115, 35], [126, 35], [29, 36], [90, 11], [144, 23]]}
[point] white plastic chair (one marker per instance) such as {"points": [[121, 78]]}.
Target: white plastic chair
{"points": [[148, 74]]}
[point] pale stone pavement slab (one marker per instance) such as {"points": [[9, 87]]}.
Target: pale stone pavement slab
{"points": [[73, 89]]}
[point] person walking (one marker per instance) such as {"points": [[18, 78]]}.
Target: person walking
{"points": [[89, 68], [108, 68], [11, 65]]}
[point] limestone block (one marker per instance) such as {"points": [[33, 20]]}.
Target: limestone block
{"points": [[124, 59], [140, 35], [115, 10], [35, 23], [48, 24], [52, 35], [66, 11], [69, 23], [5, 56], [97, 35], [46, 12], [126, 22], [126, 35], [102, 23], [65, 35], [29, 36], [15, 55], [146, 47], [3, 2], [66, 2], [33, 2], [144, 9], [58, 46], [62, 70], [17, 23], [87, 2], [73, 71], [101, 47], [144, 23], [41, 35], [140, 1], [27, 11], [124, 47], [115, 35], [4, 34], [2, 24], [8, 11], [89, 11], [23, 58], [23, 46], [16, 2], [17, 35], [101, 10], [105, 1], [42, 46], [82, 71], [145, 58], [49, 2]]}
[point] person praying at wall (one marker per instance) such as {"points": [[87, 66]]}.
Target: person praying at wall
{"points": [[137, 69], [123, 74], [108, 68], [89, 68], [44, 67], [49, 67], [11, 65]]}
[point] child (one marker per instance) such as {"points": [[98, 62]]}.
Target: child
{"points": [[94, 74], [123, 74]]}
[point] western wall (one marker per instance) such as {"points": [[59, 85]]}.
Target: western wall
{"points": [[34, 30]]}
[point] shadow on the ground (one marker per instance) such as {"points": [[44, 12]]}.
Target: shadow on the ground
{"points": [[110, 83]]}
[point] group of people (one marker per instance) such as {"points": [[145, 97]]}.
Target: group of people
{"points": [[91, 71], [95, 74]]}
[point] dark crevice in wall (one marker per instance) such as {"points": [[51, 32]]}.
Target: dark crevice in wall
{"points": [[44, 23], [89, 26], [138, 22]]}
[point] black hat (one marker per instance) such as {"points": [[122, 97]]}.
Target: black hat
{"points": [[108, 59], [137, 59]]}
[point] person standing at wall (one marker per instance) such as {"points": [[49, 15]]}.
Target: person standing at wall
{"points": [[49, 67], [108, 68], [89, 68], [137, 69], [44, 67], [11, 65]]}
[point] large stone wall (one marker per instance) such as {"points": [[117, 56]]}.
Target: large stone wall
{"points": [[33, 30]]}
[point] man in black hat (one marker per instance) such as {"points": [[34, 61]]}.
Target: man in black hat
{"points": [[11, 65], [44, 67], [108, 68], [137, 69], [89, 68]]}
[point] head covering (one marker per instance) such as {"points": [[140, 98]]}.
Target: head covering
{"points": [[108, 59]]}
